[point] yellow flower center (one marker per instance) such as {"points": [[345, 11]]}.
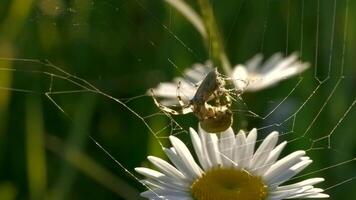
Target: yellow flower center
{"points": [[228, 184]]}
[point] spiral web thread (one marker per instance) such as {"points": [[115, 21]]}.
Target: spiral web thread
{"points": [[331, 81]]}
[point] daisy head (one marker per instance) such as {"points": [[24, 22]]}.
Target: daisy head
{"points": [[249, 77], [228, 167]]}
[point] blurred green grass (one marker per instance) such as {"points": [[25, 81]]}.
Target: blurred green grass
{"points": [[123, 48]]}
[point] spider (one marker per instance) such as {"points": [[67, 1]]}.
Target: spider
{"points": [[211, 104]]}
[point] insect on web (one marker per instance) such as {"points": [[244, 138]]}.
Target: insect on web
{"points": [[323, 83]]}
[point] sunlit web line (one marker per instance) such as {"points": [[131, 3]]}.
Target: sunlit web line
{"points": [[321, 82], [245, 112], [317, 38], [55, 92], [86, 85], [19, 90], [126, 100], [315, 72], [180, 41], [265, 25], [165, 27], [350, 107], [51, 75], [346, 25], [301, 29], [287, 26], [234, 21], [82, 83], [121, 165], [326, 168], [293, 115], [173, 126], [322, 107], [328, 136], [182, 73], [337, 83], [152, 43], [331, 41]]}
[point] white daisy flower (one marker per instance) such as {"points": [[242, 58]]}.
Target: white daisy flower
{"points": [[252, 76], [228, 168]]}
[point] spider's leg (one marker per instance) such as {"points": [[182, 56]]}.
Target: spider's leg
{"points": [[186, 110], [186, 107], [181, 103], [232, 93], [170, 110]]}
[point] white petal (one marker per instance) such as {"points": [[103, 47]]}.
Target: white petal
{"points": [[199, 149], [178, 162], [311, 181], [275, 69], [166, 168], [292, 70], [210, 142], [263, 151], [250, 146], [203, 136], [240, 149], [272, 157], [302, 192], [287, 174], [312, 193], [284, 194], [181, 197], [282, 165], [213, 149], [240, 78], [226, 145], [186, 157], [280, 64], [198, 71], [158, 176], [168, 90], [277, 75], [270, 64], [254, 63]]}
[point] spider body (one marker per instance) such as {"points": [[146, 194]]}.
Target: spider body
{"points": [[210, 104]]}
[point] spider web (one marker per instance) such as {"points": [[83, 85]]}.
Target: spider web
{"points": [[325, 91]]}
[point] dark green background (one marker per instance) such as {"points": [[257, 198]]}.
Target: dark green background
{"points": [[124, 48]]}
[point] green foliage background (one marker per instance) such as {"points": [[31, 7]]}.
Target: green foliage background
{"points": [[124, 48]]}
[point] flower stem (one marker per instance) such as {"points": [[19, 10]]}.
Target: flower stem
{"points": [[214, 40]]}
